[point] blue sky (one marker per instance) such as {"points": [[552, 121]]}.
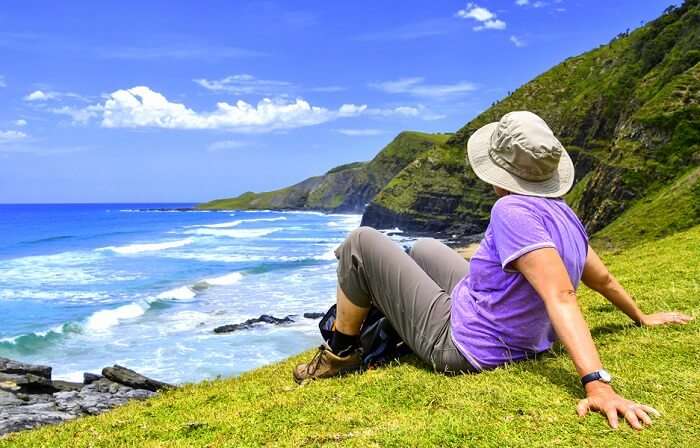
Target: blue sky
{"points": [[190, 101]]}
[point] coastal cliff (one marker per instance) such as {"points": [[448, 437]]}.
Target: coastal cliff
{"points": [[628, 112], [346, 188]]}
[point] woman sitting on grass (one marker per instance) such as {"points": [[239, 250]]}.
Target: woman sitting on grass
{"points": [[515, 296]]}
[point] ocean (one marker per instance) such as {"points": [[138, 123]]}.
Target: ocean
{"points": [[144, 285]]}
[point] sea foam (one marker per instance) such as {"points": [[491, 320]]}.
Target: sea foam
{"points": [[234, 233], [146, 247]]}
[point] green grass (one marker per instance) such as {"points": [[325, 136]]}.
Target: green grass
{"points": [[673, 208], [527, 404]]}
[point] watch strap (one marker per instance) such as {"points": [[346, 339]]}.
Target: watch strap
{"points": [[593, 376]]}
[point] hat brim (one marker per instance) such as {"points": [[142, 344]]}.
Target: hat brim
{"points": [[480, 161]]}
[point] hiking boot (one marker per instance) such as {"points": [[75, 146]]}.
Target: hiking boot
{"points": [[326, 364]]}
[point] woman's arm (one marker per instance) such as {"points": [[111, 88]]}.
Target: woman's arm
{"points": [[546, 272], [597, 277]]}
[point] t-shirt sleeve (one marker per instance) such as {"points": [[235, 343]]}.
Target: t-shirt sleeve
{"points": [[517, 230]]}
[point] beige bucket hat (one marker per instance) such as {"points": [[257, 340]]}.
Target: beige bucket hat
{"points": [[521, 154]]}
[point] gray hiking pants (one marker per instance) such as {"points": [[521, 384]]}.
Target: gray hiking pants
{"points": [[412, 290]]}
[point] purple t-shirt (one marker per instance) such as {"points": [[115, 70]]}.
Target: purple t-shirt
{"points": [[497, 316]]}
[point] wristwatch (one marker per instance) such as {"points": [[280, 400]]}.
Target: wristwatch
{"points": [[599, 375]]}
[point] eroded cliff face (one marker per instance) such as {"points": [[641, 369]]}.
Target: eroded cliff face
{"points": [[628, 113]]}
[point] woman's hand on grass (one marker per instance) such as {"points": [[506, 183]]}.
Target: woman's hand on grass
{"points": [[664, 318], [602, 398]]}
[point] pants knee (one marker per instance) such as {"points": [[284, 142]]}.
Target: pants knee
{"points": [[421, 246], [360, 235]]}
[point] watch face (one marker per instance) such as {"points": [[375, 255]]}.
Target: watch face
{"points": [[605, 376]]}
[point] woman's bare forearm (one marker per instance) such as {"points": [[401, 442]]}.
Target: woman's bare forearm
{"points": [[572, 330], [616, 294], [597, 277]]}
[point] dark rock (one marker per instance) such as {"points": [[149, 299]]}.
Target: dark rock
{"points": [[128, 377], [63, 386], [89, 378], [27, 382], [28, 397], [314, 315], [250, 323], [8, 398], [17, 418], [20, 368], [97, 397]]}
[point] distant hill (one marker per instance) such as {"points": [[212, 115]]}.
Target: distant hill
{"points": [[346, 188]]}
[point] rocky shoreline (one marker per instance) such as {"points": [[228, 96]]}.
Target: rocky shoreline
{"points": [[29, 397]]}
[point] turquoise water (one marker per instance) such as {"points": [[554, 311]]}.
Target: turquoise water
{"points": [[85, 286]]}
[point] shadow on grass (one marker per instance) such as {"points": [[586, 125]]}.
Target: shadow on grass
{"points": [[563, 377], [603, 330]]}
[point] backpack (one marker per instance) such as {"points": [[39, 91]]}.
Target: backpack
{"points": [[379, 341]]}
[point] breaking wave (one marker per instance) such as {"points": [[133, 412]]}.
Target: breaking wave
{"points": [[146, 247]]}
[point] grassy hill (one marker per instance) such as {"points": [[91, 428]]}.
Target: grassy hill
{"points": [[526, 404], [628, 112], [346, 188]]}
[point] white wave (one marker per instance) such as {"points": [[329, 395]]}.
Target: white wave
{"points": [[234, 233], [74, 268], [222, 225], [224, 280], [181, 293], [394, 230], [106, 319], [333, 224], [217, 257], [303, 212], [58, 329], [225, 225], [329, 255], [146, 247], [37, 294]]}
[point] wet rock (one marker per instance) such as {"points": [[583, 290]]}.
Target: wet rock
{"points": [[130, 378], [314, 315], [20, 368], [250, 323]]}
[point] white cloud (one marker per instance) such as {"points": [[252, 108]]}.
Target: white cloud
{"points": [[328, 89], [518, 42], [539, 4], [80, 114], [417, 87], [227, 144], [486, 19], [20, 123], [39, 95], [142, 107], [360, 132], [419, 111], [244, 84], [522, 2], [2, 82], [11, 136]]}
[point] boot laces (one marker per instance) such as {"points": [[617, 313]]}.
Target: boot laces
{"points": [[312, 366]]}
